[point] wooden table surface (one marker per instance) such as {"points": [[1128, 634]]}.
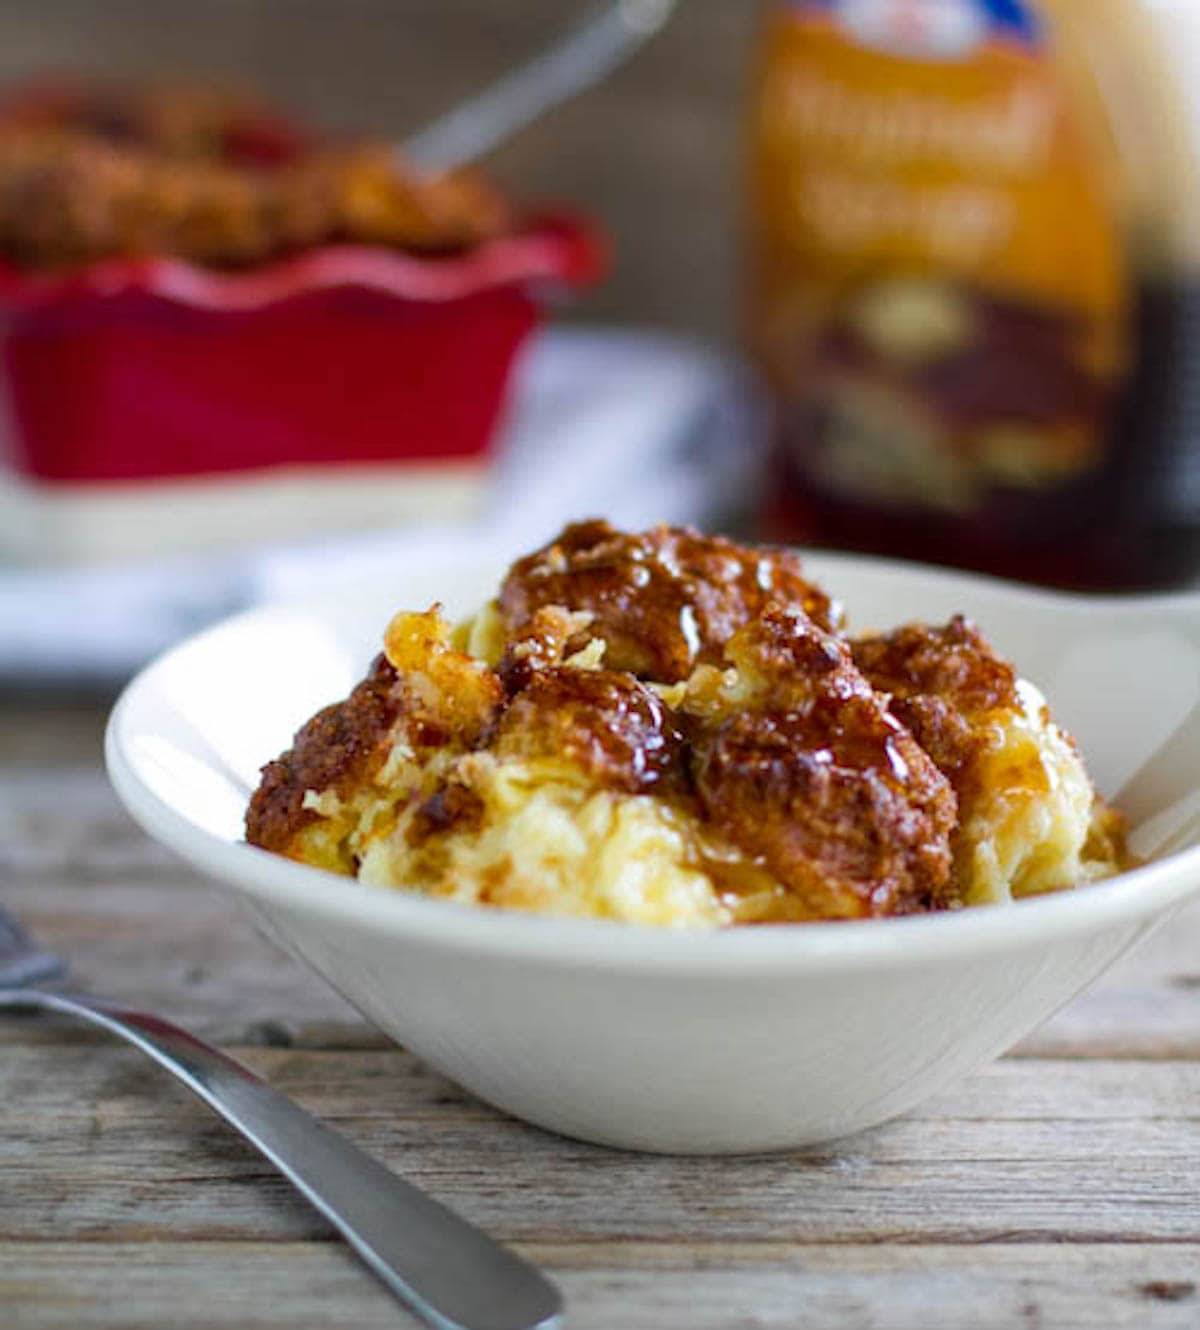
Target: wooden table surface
{"points": [[1059, 1188]]}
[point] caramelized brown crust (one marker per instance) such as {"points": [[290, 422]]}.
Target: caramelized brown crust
{"points": [[176, 118], [839, 804], [819, 784], [547, 639], [943, 682], [338, 750], [452, 807], [790, 660], [823, 778], [216, 181], [663, 601], [607, 723], [419, 692]]}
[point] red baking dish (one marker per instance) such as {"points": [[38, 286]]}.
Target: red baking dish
{"points": [[127, 371], [132, 373]]}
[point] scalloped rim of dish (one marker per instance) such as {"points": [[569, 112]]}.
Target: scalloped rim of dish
{"points": [[1140, 893], [559, 247]]}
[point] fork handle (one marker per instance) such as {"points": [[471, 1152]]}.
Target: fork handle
{"points": [[444, 1269], [601, 42]]}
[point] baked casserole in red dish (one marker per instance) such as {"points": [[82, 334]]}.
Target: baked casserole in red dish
{"points": [[215, 327]]}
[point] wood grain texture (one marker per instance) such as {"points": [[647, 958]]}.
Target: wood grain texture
{"points": [[1026, 1151], [1058, 1188], [613, 1286]]}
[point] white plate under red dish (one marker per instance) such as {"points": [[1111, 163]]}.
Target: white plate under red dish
{"points": [[736, 1040], [642, 427]]}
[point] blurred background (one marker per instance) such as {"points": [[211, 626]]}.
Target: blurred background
{"points": [[652, 151], [909, 277], [649, 155]]}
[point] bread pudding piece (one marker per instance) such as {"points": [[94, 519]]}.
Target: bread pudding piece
{"points": [[1029, 820], [796, 760], [662, 601], [669, 729], [540, 798], [199, 175], [355, 764], [176, 118]]}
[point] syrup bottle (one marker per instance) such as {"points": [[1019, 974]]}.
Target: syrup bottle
{"points": [[974, 282]]}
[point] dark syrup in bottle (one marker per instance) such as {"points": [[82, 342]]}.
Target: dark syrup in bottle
{"points": [[968, 291], [1132, 525]]}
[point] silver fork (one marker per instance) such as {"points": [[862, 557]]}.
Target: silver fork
{"points": [[601, 42], [445, 1270]]}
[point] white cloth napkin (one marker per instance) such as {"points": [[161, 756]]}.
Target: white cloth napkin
{"points": [[632, 426]]}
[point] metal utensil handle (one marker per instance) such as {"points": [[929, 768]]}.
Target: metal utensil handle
{"points": [[444, 1269], [576, 61]]}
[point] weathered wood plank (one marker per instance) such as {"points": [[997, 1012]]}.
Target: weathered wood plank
{"points": [[96, 1143], [187, 951], [100, 1286], [43, 729], [66, 823], [1124, 1016]]}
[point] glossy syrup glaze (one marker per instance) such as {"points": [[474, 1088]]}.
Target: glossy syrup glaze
{"points": [[663, 601], [812, 777], [943, 684], [808, 773]]}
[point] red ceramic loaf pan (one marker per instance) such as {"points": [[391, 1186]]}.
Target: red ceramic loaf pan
{"points": [[135, 373]]}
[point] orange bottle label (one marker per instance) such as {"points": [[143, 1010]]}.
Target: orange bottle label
{"points": [[939, 287]]}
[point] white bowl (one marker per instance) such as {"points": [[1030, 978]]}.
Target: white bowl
{"points": [[741, 1040]]}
